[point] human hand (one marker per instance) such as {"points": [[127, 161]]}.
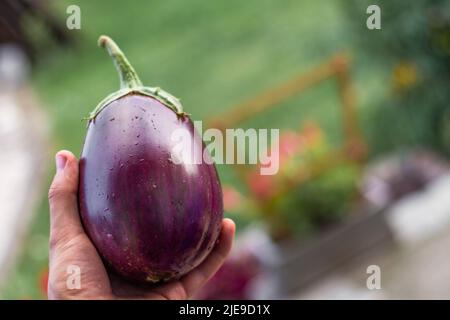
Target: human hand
{"points": [[70, 246]]}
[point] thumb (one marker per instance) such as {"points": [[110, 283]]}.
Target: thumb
{"points": [[64, 218]]}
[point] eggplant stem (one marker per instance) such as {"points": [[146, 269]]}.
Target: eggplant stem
{"points": [[128, 76], [131, 84]]}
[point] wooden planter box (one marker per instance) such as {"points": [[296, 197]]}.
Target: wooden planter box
{"points": [[298, 265]]}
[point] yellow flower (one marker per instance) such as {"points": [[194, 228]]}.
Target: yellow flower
{"points": [[404, 76]]}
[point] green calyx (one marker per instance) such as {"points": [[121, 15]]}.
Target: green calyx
{"points": [[130, 82]]}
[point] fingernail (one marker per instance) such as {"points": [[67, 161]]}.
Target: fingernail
{"points": [[60, 162]]}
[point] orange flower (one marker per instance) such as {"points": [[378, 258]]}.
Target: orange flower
{"points": [[311, 134]]}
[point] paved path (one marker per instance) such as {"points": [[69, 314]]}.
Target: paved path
{"points": [[417, 268], [23, 141]]}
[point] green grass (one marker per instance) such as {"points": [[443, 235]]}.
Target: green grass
{"points": [[212, 54]]}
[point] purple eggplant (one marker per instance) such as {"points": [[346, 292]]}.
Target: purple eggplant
{"points": [[151, 218]]}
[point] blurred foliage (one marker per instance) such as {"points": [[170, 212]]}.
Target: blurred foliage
{"points": [[323, 194], [413, 51], [319, 202]]}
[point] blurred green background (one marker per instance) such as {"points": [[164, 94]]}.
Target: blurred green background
{"points": [[213, 55]]}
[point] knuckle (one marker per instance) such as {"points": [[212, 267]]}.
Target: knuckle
{"points": [[54, 192], [71, 178], [53, 242], [63, 238], [57, 192], [63, 187]]}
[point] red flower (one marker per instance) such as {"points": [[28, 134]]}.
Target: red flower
{"points": [[43, 281], [231, 198], [263, 186]]}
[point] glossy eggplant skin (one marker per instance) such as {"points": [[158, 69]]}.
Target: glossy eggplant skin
{"points": [[150, 219]]}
